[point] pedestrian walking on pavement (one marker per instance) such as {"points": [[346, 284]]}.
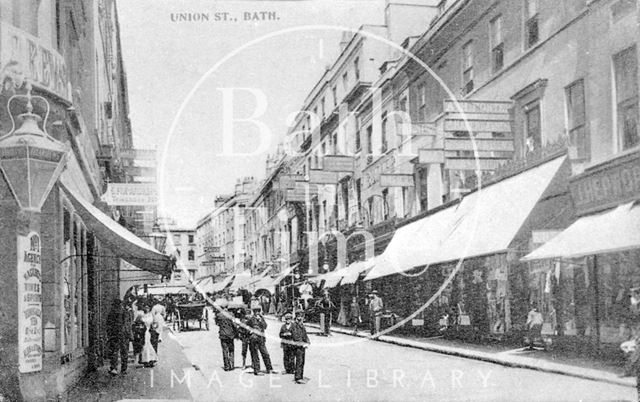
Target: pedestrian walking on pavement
{"points": [[286, 344], [118, 335], [326, 307], [227, 334], [354, 314], [138, 330], [534, 324], [299, 344], [148, 355], [375, 310], [257, 342]]}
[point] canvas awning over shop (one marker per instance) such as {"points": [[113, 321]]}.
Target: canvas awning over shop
{"points": [[264, 283], [607, 232], [331, 279], [168, 290], [241, 280], [285, 272], [128, 246], [219, 286], [484, 222], [353, 271]]}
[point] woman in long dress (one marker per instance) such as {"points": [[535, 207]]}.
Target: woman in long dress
{"points": [[148, 356]]}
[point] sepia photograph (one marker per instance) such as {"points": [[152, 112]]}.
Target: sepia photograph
{"points": [[319, 200]]}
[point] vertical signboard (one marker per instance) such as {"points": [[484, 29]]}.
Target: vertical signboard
{"points": [[29, 303]]}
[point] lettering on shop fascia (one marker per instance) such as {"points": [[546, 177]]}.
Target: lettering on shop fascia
{"points": [[609, 185], [372, 174]]}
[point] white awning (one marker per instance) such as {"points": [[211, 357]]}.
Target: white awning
{"points": [[218, 286], [608, 232], [125, 244], [484, 222], [353, 271], [331, 279], [168, 290], [264, 283], [242, 280]]}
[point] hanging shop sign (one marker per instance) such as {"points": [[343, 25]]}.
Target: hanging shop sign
{"points": [[339, 163], [396, 180], [322, 177], [131, 194], [29, 303], [24, 56], [607, 185]]}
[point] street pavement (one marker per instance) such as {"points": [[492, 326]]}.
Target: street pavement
{"points": [[347, 368]]}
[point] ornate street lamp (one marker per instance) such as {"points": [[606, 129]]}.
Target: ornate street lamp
{"points": [[31, 161]]}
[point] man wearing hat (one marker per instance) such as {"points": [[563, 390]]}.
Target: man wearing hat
{"points": [[257, 343], [287, 347], [375, 309], [227, 333], [299, 343]]}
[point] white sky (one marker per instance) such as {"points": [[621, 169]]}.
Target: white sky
{"points": [[164, 60]]}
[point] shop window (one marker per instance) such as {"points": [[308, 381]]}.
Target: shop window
{"points": [[532, 34], [497, 44], [626, 77], [467, 68], [576, 120]]}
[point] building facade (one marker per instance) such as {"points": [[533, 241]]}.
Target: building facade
{"points": [[61, 253]]}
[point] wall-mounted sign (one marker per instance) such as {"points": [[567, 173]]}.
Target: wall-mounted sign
{"points": [[371, 174], [131, 194], [487, 107], [426, 156], [607, 185], [29, 304], [322, 177], [212, 249], [138, 154], [26, 57], [396, 180], [339, 163]]}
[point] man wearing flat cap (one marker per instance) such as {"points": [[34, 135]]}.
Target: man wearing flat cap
{"points": [[287, 346], [257, 342], [299, 344], [227, 333]]}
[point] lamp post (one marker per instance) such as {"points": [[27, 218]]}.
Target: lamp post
{"points": [[31, 161]]}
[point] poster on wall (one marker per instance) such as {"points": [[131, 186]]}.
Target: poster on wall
{"points": [[29, 303]]}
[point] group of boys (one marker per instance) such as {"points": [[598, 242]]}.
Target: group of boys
{"points": [[249, 326]]}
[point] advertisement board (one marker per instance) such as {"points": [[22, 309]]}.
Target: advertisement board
{"points": [[29, 304]]}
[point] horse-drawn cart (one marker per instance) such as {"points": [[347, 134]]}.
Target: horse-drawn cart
{"points": [[192, 311]]}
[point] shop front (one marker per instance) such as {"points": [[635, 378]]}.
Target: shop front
{"points": [[457, 271], [597, 258], [60, 254]]}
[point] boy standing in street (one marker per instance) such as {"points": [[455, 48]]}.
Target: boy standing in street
{"points": [[287, 347], [299, 344], [257, 342]]}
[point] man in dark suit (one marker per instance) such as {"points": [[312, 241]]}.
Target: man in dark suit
{"points": [[227, 333], [287, 347], [300, 342], [257, 342]]}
